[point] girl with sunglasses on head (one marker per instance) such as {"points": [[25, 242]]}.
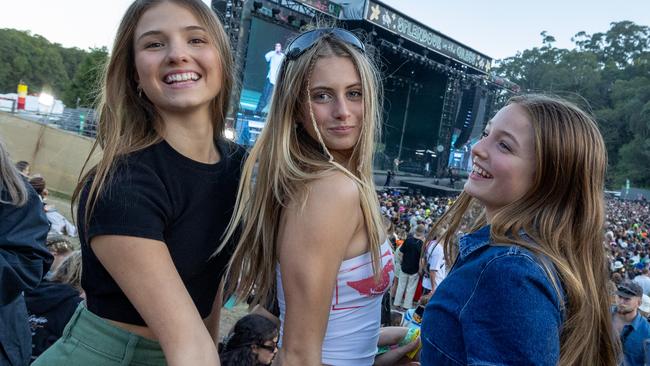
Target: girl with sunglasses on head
{"points": [[152, 211], [529, 282], [311, 224]]}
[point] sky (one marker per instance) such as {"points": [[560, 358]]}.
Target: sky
{"points": [[497, 28]]}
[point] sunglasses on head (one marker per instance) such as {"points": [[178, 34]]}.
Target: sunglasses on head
{"points": [[307, 40]]}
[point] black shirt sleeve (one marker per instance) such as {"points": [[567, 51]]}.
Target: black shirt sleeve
{"points": [[134, 203]]}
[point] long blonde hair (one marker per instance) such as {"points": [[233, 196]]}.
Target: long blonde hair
{"points": [[128, 121], [564, 215], [287, 159], [11, 180]]}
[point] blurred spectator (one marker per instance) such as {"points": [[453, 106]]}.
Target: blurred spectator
{"points": [[409, 276], [60, 248], [23, 259], [53, 302], [629, 324], [644, 280], [58, 223], [253, 341], [23, 168]]}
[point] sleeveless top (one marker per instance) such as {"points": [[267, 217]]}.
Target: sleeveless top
{"points": [[353, 325]]}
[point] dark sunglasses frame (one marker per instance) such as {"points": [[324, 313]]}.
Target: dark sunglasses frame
{"points": [[307, 40], [268, 348]]}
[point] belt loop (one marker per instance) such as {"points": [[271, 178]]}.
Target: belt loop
{"points": [[130, 350], [75, 317]]}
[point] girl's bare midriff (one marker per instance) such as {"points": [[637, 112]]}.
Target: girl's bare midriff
{"points": [[140, 330]]}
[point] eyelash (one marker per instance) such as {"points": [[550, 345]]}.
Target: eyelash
{"points": [[193, 41], [502, 144], [354, 94]]}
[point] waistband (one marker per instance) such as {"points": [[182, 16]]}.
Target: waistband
{"points": [[110, 340]]}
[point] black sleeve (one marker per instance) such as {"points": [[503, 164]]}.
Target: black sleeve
{"points": [[134, 203], [23, 256]]}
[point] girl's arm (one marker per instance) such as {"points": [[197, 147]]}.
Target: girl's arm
{"points": [[144, 270], [312, 245]]}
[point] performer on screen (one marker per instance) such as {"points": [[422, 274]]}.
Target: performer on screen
{"points": [[274, 59]]}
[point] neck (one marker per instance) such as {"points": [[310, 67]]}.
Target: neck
{"points": [[489, 214], [343, 158], [191, 134]]}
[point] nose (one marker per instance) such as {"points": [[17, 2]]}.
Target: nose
{"points": [[478, 149], [342, 111], [177, 53]]}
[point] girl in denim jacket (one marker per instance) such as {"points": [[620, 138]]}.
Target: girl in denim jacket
{"points": [[528, 283]]}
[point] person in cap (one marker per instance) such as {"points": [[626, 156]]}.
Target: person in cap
{"points": [[629, 324]]}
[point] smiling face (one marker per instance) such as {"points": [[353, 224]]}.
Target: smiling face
{"points": [[177, 64], [504, 160], [336, 100]]}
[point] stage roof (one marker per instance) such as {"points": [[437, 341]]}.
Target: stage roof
{"points": [[381, 15]]}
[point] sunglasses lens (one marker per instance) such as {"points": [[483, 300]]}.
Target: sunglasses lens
{"points": [[348, 38], [306, 40]]}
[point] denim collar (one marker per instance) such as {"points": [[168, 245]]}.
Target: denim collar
{"points": [[469, 243], [638, 321]]}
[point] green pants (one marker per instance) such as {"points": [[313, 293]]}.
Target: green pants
{"points": [[90, 340]]}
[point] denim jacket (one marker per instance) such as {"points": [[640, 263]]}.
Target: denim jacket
{"points": [[497, 306]]}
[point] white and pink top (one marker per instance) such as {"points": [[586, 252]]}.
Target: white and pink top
{"points": [[353, 326]]}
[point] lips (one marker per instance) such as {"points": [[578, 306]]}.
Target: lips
{"points": [[180, 76], [478, 170], [341, 128]]}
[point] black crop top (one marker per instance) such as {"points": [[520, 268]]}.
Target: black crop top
{"points": [[159, 194]]}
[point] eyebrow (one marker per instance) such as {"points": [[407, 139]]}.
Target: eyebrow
{"points": [[157, 32], [508, 134], [317, 87]]}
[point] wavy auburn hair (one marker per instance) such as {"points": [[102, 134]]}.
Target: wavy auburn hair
{"points": [[287, 158], [563, 214], [129, 122]]}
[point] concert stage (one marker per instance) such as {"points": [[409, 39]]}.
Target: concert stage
{"points": [[438, 92]]}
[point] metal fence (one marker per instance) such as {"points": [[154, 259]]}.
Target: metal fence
{"points": [[82, 121]]}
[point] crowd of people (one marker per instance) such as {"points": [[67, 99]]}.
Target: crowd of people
{"points": [[174, 219]]}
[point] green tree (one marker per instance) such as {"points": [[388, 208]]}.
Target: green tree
{"points": [[84, 86], [607, 73], [32, 59], [633, 163]]}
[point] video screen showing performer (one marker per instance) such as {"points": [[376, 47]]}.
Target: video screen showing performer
{"points": [[274, 59], [263, 59]]}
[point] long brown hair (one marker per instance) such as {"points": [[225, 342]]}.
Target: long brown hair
{"points": [[287, 159], [129, 122], [563, 214]]}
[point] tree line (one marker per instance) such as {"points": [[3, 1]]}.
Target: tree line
{"points": [[607, 73], [70, 74]]}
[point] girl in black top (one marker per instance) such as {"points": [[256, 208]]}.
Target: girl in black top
{"points": [[152, 210]]}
